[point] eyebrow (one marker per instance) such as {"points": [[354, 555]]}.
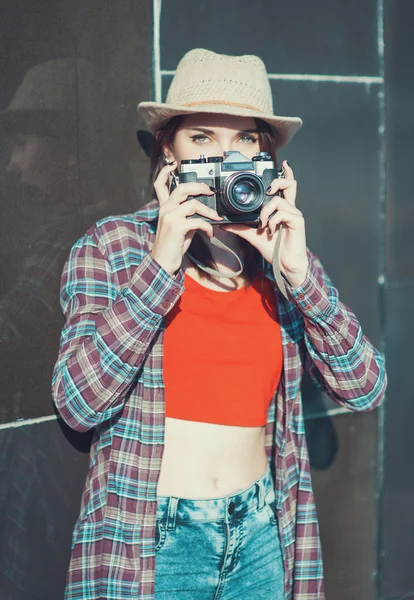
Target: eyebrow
{"points": [[211, 132]]}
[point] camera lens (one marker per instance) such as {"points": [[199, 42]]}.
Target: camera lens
{"points": [[243, 193]]}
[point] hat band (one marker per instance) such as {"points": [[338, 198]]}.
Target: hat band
{"points": [[225, 102]]}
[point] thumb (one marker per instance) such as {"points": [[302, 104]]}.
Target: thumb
{"points": [[244, 231]]}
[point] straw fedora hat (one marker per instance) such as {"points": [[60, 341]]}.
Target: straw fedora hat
{"points": [[217, 83]]}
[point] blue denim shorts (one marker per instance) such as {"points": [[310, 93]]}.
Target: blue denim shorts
{"points": [[227, 547]]}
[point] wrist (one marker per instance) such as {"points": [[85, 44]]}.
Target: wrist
{"points": [[297, 277], [170, 269]]}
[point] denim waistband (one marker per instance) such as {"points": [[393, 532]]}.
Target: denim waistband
{"points": [[213, 509]]}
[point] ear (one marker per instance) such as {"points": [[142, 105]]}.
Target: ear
{"points": [[168, 153]]}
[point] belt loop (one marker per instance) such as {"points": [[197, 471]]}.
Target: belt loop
{"points": [[171, 513], [260, 495]]}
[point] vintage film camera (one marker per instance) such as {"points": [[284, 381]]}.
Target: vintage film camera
{"points": [[241, 184]]}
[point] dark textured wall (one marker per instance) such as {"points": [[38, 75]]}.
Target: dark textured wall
{"points": [[347, 69], [398, 497], [59, 173]]}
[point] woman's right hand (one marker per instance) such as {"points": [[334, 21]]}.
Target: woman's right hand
{"points": [[175, 231]]}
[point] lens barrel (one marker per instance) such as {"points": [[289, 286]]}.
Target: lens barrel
{"points": [[243, 193]]}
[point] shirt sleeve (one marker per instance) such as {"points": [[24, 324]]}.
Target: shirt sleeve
{"points": [[107, 333], [339, 358]]}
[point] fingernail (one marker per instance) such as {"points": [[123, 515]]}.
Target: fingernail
{"points": [[287, 163], [260, 223], [212, 189], [268, 189]]}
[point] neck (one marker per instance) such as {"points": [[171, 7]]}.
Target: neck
{"points": [[225, 261]]}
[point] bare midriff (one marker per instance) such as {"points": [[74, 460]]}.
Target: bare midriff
{"points": [[208, 460], [205, 460]]}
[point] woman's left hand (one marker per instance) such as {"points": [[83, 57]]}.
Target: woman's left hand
{"points": [[292, 257]]}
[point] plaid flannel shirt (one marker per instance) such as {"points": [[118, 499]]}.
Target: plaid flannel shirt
{"points": [[108, 376]]}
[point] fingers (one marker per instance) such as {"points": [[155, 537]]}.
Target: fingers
{"points": [[287, 185], [176, 219], [276, 204], [192, 207], [199, 225], [288, 170], [161, 184], [183, 190], [244, 231], [292, 220]]}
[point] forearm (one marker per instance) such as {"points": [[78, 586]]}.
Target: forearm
{"points": [[339, 358], [102, 353]]}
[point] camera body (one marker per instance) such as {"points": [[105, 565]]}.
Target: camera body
{"points": [[240, 184]]}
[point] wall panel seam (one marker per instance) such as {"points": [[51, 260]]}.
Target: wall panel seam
{"points": [[361, 79], [379, 533], [156, 54], [24, 422]]}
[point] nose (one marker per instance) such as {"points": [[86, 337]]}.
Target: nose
{"points": [[222, 149], [226, 144]]}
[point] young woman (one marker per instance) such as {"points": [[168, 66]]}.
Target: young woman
{"points": [[199, 481]]}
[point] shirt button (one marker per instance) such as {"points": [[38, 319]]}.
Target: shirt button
{"points": [[308, 307], [301, 297], [165, 305], [290, 344], [231, 508]]}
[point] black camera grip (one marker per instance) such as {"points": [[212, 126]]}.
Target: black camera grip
{"points": [[190, 177], [268, 176]]}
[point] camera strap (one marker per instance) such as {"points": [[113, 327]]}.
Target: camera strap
{"points": [[219, 244], [275, 260]]}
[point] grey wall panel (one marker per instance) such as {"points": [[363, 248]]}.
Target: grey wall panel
{"points": [[72, 76], [335, 159], [40, 216], [116, 37], [398, 515], [345, 491], [292, 37], [399, 69], [42, 472]]}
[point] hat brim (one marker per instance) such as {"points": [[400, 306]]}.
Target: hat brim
{"points": [[156, 114], [39, 122]]}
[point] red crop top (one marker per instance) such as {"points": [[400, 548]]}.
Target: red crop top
{"points": [[222, 354]]}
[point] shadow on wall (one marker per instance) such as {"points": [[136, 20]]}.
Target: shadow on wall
{"points": [[38, 507], [320, 432], [57, 179]]}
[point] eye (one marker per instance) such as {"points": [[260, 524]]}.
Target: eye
{"points": [[248, 139], [200, 138]]}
